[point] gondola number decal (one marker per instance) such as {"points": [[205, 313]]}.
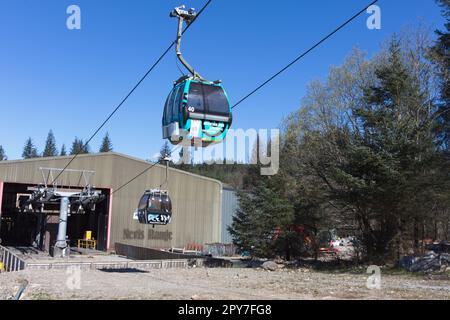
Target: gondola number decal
{"points": [[191, 109]]}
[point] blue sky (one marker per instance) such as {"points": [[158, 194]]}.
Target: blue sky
{"points": [[70, 80]]}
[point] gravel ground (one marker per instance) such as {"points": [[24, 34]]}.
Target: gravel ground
{"points": [[233, 284]]}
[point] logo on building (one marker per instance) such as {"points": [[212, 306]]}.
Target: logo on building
{"points": [[151, 235], [133, 235], [159, 235]]}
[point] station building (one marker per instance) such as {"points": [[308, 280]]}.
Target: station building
{"points": [[198, 207]]}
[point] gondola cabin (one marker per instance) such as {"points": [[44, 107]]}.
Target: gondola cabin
{"points": [[197, 111], [155, 208]]}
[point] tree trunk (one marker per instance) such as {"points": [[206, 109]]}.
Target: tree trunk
{"points": [[416, 235], [288, 251], [435, 228]]}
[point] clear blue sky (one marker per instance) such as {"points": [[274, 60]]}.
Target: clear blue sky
{"points": [[68, 81]]}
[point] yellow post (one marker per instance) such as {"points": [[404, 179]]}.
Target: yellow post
{"points": [[88, 235], [2, 267]]}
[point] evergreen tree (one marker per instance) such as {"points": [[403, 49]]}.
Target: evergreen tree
{"points": [[50, 146], [440, 54], [2, 154], [388, 160], [29, 150], [361, 154], [264, 219], [106, 144], [79, 147], [63, 151], [241, 228]]}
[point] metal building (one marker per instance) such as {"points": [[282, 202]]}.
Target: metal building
{"points": [[196, 203]]}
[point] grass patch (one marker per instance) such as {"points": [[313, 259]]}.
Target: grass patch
{"points": [[42, 296]]}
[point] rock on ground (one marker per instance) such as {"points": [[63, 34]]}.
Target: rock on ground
{"points": [[270, 265]]}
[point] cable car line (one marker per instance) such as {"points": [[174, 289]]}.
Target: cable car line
{"points": [[155, 205], [266, 82], [178, 67], [304, 54], [131, 92], [142, 173], [180, 99], [133, 179], [197, 78]]}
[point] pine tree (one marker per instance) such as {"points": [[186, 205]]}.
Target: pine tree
{"points": [[29, 150], [389, 160], [2, 154], [241, 228], [263, 213], [50, 146], [63, 151], [440, 54], [106, 144], [79, 147]]}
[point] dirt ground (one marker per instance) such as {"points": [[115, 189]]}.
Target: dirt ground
{"points": [[204, 284]]}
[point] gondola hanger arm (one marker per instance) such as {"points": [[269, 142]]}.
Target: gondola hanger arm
{"points": [[187, 16]]}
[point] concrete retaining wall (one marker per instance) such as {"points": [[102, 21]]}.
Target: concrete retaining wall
{"points": [[140, 265]]}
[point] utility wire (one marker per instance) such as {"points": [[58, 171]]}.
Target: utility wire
{"points": [[142, 173], [136, 177], [304, 54], [266, 82], [179, 68], [130, 93]]}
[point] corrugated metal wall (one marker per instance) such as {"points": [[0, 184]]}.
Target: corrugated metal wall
{"points": [[229, 206], [196, 200]]}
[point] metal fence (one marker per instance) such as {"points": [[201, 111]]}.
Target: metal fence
{"points": [[9, 261], [119, 265], [220, 249]]}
